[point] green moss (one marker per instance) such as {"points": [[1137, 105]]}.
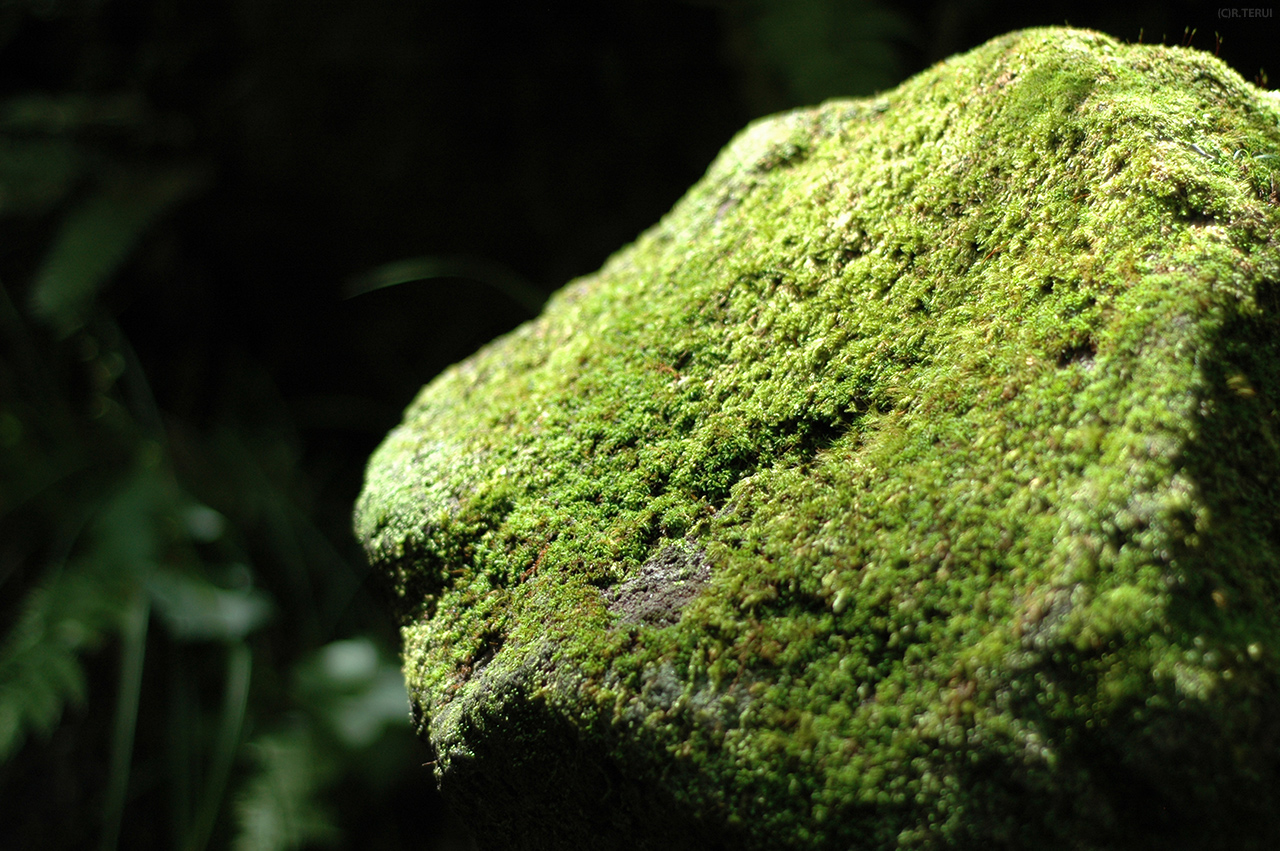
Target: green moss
{"points": [[967, 395]]}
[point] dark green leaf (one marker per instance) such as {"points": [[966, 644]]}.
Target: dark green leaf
{"points": [[36, 174], [96, 238], [195, 609], [487, 272], [279, 808], [62, 114]]}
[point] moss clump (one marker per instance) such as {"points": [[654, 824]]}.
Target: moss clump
{"points": [[953, 415]]}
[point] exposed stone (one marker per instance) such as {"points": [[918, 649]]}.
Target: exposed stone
{"points": [[913, 484], [659, 590]]}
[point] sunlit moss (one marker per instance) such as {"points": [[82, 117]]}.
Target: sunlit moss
{"points": [[967, 394]]}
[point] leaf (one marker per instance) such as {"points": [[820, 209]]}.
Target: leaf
{"points": [[40, 670], [234, 705], [487, 272], [361, 718], [196, 609], [203, 523], [351, 663], [96, 238], [279, 808], [61, 114], [74, 608], [35, 174], [356, 691]]}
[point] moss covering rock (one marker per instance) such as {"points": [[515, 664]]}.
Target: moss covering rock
{"points": [[914, 483]]}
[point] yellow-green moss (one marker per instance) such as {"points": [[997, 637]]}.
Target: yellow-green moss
{"points": [[967, 395]]}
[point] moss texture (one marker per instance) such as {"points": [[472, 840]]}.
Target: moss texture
{"points": [[912, 484]]}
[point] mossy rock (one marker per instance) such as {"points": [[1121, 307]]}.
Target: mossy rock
{"points": [[914, 483]]}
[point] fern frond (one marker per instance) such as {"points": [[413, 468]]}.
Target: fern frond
{"points": [[279, 809], [40, 671]]}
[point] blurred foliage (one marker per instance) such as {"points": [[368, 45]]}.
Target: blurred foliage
{"points": [[108, 557]]}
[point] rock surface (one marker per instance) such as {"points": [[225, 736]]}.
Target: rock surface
{"points": [[914, 483]]}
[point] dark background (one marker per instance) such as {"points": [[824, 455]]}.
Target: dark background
{"points": [[237, 338]]}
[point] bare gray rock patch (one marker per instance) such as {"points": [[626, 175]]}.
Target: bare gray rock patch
{"points": [[663, 586]]}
